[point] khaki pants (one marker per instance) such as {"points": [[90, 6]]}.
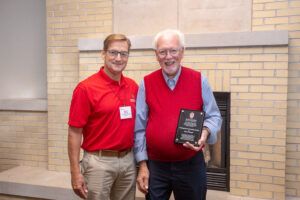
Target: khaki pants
{"points": [[109, 178]]}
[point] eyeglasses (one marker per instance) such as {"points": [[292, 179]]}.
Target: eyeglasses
{"points": [[114, 53], [164, 52]]}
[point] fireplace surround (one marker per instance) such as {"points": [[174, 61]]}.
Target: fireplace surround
{"points": [[218, 159]]}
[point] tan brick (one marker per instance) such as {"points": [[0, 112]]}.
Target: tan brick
{"points": [[260, 103], [273, 126], [260, 148], [251, 65], [263, 57], [273, 172], [272, 141], [228, 66], [278, 180], [288, 12], [294, 155], [291, 192], [294, 34], [274, 81], [262, 73], [281, 73], [241, 162], [239, 191], [275, 97], [252, 81], [257, 21], [238, 147], [289, 27], [216, 58], [276, 20], [261, 163], [261, 133], [279, 165], [273, 157], [239, 58], [272, 187], [263, 89], [258, 14], [250, 111], [249, 155], [240, 88], [279, 150], [248, 140], [276, 50], [249, 125], [251, 50], [239, 73], [260, 178], [276, 5], [282, 57], [279, 195], [260, 194], [239, 132], [257, 6], [240, 118], [264, 28], [250, 96], [275, 65], [295, 4], [294, 19], [239, 177], [248, 185]]}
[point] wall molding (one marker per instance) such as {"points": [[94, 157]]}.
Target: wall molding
{"points": [[212, 40], [24, 104]]}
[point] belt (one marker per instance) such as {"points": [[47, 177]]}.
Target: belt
{"points": [[110, 153]]}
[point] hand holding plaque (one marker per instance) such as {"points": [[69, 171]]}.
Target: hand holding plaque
{"points": [[189, 126]]}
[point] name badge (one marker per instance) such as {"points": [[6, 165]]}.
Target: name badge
{"points": [[125, 112]]}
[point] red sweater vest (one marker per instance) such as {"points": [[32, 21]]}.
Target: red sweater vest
{"points": [[164, 108]]}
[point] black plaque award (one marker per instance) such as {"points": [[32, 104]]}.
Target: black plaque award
{"points": [[189, 126]]}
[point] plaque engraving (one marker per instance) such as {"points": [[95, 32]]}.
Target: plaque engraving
{"points": [[189, 127]]}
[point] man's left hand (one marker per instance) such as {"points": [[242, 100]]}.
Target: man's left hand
{"points": [[204, 135]]}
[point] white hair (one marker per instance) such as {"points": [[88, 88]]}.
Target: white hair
{"points": [[169, 32]]}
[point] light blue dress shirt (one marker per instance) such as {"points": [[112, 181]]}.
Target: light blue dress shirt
{"points": [[212, 120]]}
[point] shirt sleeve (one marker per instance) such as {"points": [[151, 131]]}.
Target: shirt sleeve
{"points": [[80, 108], [213, 119], [140, 146]]}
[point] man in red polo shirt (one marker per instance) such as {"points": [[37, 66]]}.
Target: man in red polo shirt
{"points": [[103, 111]]}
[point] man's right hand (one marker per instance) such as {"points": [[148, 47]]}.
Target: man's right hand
{"points": [[79, 186], [143, 177]]}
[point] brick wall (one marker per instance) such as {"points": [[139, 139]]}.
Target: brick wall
{"points": [[67, 21], [285, 15], [257, 80], [23, 139], [256, 77], [263, 81]]}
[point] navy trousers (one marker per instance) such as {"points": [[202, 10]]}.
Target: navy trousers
{"points": [[187, 179]]}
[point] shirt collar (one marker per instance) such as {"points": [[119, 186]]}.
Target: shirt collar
{"points": [[176, 77], [109, 80]]}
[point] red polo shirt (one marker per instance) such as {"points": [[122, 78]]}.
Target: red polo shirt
{"points": [[95, 107]]}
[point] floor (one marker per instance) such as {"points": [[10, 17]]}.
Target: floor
{"points": [[220, 195], [211, 195]]}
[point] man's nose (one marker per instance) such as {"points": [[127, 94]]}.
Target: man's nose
{"points": [[168, 54], [118, 57]]}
